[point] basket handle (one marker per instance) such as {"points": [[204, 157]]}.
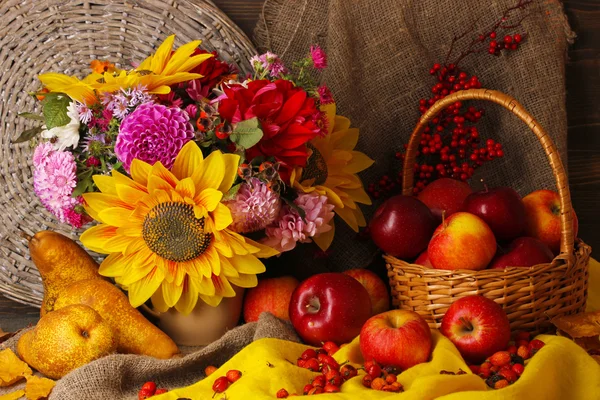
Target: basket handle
{"points": [[562, 184]]}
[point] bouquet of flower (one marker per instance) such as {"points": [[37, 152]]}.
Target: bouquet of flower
{"points": [[193, 173]]}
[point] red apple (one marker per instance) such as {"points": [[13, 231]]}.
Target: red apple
{"points": [[462, 241], [523, 252], [378, 293], [542, 219], [444, 195], [397, 338], [402, 226], [423, 260], [477, 326], [270, 295], [501, 208], [329, 307]]}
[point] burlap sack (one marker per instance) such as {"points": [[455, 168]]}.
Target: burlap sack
{"points": [[380, 53], [120, 376]]}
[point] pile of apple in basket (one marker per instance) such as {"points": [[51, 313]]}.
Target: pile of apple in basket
{"points": [[491, 228]]}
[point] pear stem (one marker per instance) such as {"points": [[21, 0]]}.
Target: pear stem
{"points": [[467, 324]]}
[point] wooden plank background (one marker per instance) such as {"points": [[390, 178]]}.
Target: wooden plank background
{"points": [[583, 96]]}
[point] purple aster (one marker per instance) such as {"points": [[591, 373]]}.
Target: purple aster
{"points": [[151, 133], [85, 113]]}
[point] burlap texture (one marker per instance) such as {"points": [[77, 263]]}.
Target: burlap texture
{"points": [[120, 376], [380, 53]]}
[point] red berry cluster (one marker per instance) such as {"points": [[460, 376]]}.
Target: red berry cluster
{"points": [[508, 43], [149, 389], [505, 367], [378, 378], [332, 376], [222, 383]]}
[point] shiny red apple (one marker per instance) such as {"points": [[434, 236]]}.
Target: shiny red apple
{"points": [[402, 227], [477, 326], [445, 195], [329, 307], [501, 208], [377, 289], [523, 252], [423, 260], [397, 338], [270, 295]]}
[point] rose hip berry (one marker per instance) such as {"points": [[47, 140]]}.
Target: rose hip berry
{"points": [[319, 381], [282, 394], [330, 388], [535, 345], [367, 381], [233, 375], [374, 370], [308, 354], [348, 371], [160, 391], [209, 370], [377, 383], [145, 394], [149, 386], [312, 365], [500, 358], [330, 348], [518, 369], [307, 388]]}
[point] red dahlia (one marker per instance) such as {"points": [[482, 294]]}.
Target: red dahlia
{"points": [[213, 71], [288, 116]]}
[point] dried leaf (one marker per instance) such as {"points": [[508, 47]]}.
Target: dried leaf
{"points": [[579, 325], [12, 369], [4, 336], [38, 388], [13, 395]]}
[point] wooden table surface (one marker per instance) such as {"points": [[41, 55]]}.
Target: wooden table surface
{"points": [[583, 97]]}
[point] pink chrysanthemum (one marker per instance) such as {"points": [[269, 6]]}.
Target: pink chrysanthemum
{"points": [[319, 58], [255, 206], [54, 179], [292, 228], [152, 133], [40, 155], [74, 218]]}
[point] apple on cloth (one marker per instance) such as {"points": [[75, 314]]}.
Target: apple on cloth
{"points": [[397, 338], [444, 196], [462, 241], [477, 326], [377, 289], [329, 307], [523, 252], [270, 295], [402, 226], [542, 218]]}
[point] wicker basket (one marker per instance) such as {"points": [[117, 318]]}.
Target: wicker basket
{"points": [[64, 36], [531, 297]]}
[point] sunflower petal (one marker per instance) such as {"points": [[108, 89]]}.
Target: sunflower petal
{"points": [[209, 198], [203, 286], [171, 293], [232, 161], [112, 265], [115, 216], [95, 238], [348, 216], [212, 300], [325, 239], [180, 56], [188, 160], [118, 244], [360, 162], [142, 290], [105, 183], [188, 300], [245, 280], [158, 302], [129, 194], [140, 171], [222, 217], [248, 264], [211, 172], [185, 188], [345, 140]]}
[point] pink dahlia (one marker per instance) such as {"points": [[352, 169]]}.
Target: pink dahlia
{"points": [[255, 206], [151, 133], [292, 228], [54, 179]]}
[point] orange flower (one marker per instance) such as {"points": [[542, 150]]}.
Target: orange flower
{"points": [[101, 67]]}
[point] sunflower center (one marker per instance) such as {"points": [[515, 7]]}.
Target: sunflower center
{"points": [[172, 231], [316, 167]]}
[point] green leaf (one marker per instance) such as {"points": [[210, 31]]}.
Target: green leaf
{"points": [[55, 111], [230, 195], [31, 116], [28, 135], [247, 133], [83, 186]]}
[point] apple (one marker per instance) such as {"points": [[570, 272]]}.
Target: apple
{"points": [[423, 260], [329, 307], [477, 326], [542, 218], [378, 293], [501, 208], [397, 338], [444, 195], [462, 241], [270, 295], [402, 226], [523, 252]]}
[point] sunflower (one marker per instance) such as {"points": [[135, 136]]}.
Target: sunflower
{"points": [[332, 171], [165, 232], [156, 73]]}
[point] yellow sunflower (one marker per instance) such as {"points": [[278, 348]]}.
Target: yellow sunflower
{"points": [[332, 171], [157, 73], [165, 232]]}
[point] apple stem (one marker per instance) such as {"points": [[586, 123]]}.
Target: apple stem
{"points": [[484, 185], [467, 324], [444, 218]]}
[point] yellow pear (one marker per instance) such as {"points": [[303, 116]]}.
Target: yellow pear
{"points": [[61, 262], [66, 339], [135, 334]]}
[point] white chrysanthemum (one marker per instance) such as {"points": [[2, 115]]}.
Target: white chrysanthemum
{"points": [[66, 135]]}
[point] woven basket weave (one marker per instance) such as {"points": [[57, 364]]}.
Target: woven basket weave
{"points": [[531, 297], [64, 36]]}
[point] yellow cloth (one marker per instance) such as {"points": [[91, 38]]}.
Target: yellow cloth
{"points": [[560, 370]]}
